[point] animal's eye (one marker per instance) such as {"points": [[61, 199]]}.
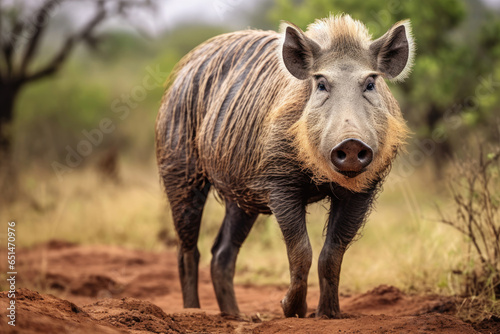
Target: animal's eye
{"points": [[370, 83], [321, 83]]}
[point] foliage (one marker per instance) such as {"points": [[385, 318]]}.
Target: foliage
{"points": [[23, 28], [84, 93]]}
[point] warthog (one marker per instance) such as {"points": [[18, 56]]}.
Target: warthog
{"points": [[274, 122]]}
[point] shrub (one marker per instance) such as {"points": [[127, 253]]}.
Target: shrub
{"points": [[475, 190]]}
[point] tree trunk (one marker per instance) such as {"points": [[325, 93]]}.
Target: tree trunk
{"points": [[8, 175]]}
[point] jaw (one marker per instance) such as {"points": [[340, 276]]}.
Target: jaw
{"points": [[355, 181], [351, 174]]}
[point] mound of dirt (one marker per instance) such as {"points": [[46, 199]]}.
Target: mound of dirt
{"points": [[429, 323], [37, 313], [132, 314], [104, 289], [92, 285], [390, 300]]}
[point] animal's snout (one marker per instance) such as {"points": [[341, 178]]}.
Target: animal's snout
{"points": [[351, 157]]}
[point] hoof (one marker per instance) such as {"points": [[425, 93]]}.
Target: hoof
{"points": [[233, 316], [319, 315], [293, 310]]}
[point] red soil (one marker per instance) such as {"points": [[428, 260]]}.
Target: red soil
{"points": [[103, 289]]}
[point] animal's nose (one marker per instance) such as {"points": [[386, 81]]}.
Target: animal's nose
{"points": [[351, 156]]}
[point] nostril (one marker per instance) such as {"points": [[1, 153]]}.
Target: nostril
{"points": [[351, 155], [341, 155]]}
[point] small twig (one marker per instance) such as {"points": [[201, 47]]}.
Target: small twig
{"points": [[69, 44], [39, 28], [9, 46]]}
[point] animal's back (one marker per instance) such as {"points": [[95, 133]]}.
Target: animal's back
{"points": [[212, 117]]}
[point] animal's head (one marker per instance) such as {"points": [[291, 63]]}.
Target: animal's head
{"points": [[351, 126]]}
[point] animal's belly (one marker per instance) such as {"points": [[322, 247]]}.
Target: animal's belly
{"points": [[243, 192]]}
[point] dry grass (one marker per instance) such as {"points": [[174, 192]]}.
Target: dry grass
{"points": [[85, 208], [474, 188], [399, 245]]}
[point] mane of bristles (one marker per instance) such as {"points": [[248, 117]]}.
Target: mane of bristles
{"points": [[340, 32]]}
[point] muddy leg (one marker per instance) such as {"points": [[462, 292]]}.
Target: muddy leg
{"points": [[290, 214], [186, 211], [346, 217], [233, 232], [329, 264]]}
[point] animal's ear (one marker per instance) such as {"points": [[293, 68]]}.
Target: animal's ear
{"points": [[297, 51], [394, 51]]}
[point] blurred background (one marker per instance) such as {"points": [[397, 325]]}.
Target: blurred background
{"points": [[81, 83]]}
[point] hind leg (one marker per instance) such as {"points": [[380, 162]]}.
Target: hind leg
{"points": [[187, 200], [233, 232]]}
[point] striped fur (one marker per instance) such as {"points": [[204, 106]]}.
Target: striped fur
{"points": [[217, 125]]}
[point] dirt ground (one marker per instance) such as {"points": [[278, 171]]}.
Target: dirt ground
{"points": [[104, 289]]}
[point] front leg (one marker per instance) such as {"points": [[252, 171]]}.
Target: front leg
{"points": [[347, 214], [289, 210]]}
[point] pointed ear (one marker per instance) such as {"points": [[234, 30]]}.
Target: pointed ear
{"points": [[394, 51], [297, 51]]}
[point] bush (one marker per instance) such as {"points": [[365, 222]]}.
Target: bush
{"points": [[475, 190]]}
